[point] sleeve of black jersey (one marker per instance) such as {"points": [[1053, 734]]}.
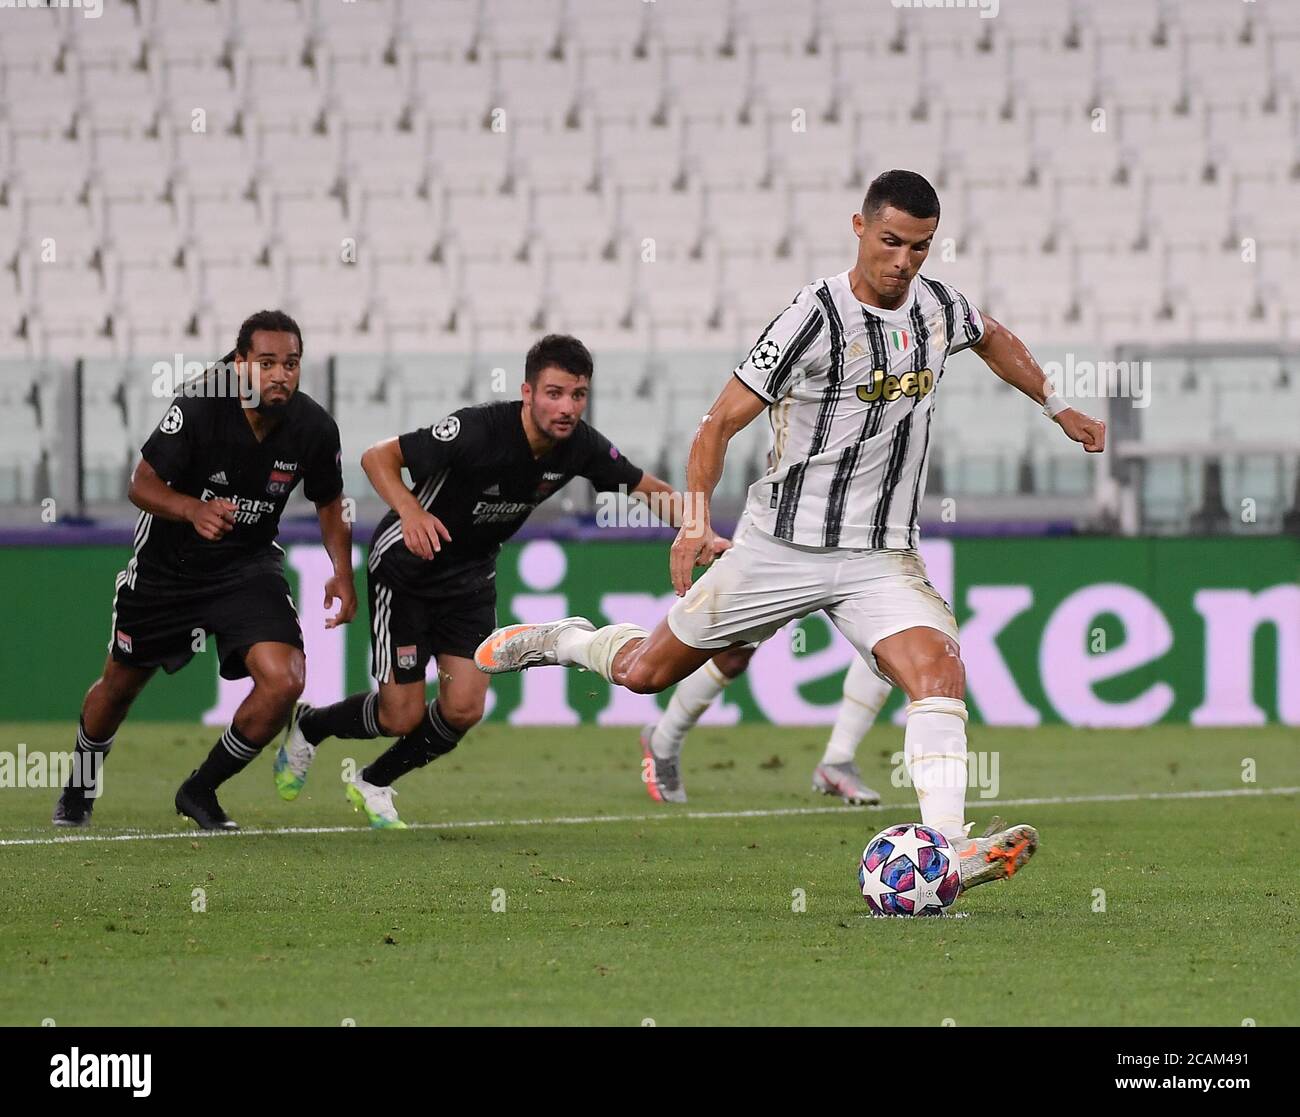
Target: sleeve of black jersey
{"points": [[606, 468], [431, 449], [170, 449], [323, 479]]}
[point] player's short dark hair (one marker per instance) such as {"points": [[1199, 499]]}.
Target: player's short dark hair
{"points": [[905, 190], [557, 351], [274, 320]]}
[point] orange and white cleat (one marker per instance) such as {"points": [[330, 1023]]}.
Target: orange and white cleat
{"points": [[520, 646], [661, 775], [999, 853]]}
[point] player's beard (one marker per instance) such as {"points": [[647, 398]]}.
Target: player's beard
{"points": [[556, 434], [273, 407]]}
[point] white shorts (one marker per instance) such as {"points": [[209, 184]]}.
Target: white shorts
{"points": [[761, 584]]}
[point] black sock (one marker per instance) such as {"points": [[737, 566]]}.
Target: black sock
{"points": [[355, 718], [229, 756], [434, 738], [88, 760]]}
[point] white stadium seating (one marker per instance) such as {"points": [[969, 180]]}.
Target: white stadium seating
{"points": [[503, 166]]}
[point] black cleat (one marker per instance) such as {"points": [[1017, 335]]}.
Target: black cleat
{"points": [[74, 808], [200, 803]]}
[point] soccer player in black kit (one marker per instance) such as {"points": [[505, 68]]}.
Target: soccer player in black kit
{"points": [[477, 474], [211, 484]]}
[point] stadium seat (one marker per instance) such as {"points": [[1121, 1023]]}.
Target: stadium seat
{"points": [[128, 166], [701, 83], [452, 92], [552, 158], [189, 86], [470, 158], [636, 155], [46, 167], [231, 232], [359, 31], [824, 153], [612, 85], [365, 92], [379, 159], [487, 223]]}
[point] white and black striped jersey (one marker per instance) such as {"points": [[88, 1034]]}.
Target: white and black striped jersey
{"points": [[475, 471], [851, 390]]}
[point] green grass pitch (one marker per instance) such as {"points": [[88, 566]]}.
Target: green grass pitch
{"points": [[639, 913]]}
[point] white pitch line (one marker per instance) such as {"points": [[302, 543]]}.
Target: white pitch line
{"points": [[665, 816]]}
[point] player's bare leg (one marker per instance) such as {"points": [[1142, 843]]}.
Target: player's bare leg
{"points": [[105, 707], [623, 654], [926, 663], [278, 672], [661, 743]]}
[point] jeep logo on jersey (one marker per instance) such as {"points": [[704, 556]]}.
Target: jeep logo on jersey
{"points": [[446, 429], [172, 421], [889, 388], [764, 355]]}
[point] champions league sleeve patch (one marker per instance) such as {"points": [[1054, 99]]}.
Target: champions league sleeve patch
{"points": [[172, 421], [764, 355], [446, 429]]}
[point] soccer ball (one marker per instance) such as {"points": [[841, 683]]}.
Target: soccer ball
{"points": [[909, 870]]}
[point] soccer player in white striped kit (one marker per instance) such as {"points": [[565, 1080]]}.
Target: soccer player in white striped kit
{"points": [[848, 374]]}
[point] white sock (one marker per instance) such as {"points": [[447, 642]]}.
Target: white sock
{"points": [[691, 697], [864, 694], [595, 651], [934, 746]]}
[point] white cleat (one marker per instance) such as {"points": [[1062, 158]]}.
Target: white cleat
{"points": [[845, 781], [377, 802], [662, 776], [293, 758], [999, 853], [520, 646]]}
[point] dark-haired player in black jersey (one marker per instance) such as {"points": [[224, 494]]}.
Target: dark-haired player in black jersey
{"points": [[211, 484], [477, 474]]}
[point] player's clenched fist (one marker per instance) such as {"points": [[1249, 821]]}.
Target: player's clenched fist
{"points": [[1084, 429], [213, 518], [423, 534]]}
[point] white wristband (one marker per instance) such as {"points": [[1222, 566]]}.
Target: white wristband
{"points": [[1053, 405]]}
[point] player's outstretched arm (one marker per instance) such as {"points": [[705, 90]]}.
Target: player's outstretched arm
{"points": [[150, 493], [421, 532], [668, 505], [336, 535], [696, 544], [1009, 358]]}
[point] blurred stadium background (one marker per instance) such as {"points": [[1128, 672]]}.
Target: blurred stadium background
{"points": [[427, 185]]}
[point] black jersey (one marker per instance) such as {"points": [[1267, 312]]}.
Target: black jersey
{"points": [[475, 471], [205, 448]]}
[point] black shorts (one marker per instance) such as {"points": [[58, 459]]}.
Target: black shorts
{"points": [[152, 629], [406, 629]]}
